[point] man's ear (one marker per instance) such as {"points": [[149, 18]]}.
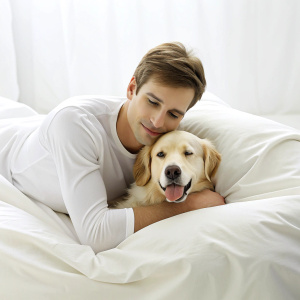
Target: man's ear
{"points": [[142, 166], [131, 88], [212, 158]]}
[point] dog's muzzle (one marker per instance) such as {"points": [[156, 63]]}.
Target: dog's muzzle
{"points": [[172, 191]]}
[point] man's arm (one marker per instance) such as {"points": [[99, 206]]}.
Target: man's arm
{"points": [[146, 215]]}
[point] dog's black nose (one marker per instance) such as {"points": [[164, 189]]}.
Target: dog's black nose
{"points": [[172, 172]]}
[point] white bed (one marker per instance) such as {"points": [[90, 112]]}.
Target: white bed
{"points": [[247, 249]]}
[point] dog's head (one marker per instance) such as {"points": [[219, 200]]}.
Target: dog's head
{"points": [[178, 163]]}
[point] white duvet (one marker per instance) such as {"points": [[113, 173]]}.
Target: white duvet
{"points": [[247, 249]]}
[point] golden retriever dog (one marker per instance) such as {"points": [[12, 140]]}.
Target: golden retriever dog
{"points": [[177, 164]]}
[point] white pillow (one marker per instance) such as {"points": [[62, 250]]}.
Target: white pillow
{"points": [[13, 109], [260, 157]]}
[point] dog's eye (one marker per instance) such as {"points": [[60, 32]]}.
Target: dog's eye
{"points": [[160, 154], [187, 153]]}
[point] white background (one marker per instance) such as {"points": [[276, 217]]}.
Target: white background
{"points": [[53, 49]]}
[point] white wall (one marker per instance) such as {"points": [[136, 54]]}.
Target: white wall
{"points": [[54, 49]]}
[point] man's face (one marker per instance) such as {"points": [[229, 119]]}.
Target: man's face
{"points": [[156, 109]]}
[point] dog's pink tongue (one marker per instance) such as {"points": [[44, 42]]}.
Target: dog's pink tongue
{"points": [[174, 192]]}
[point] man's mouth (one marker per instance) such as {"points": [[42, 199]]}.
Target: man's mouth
{"points": [[176, 193], [150, 132]]}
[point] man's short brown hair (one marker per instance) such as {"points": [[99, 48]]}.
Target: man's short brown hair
{"points": [[171, 64]]}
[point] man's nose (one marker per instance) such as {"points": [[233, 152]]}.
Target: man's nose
{"points": [[158, 120]]}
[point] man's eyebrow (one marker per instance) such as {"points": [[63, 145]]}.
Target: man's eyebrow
{"points": [[155, 97], [161, 101]]}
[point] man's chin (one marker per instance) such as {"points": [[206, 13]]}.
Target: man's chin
{"points": [[147, 140]]}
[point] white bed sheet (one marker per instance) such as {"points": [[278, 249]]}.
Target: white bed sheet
{"points": [[243, 250], [246, 250]]}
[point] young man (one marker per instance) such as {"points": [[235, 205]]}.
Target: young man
{"points": [[80, 156]]}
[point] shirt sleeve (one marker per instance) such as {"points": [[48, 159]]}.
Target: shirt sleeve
{"points": [[69, 136]]}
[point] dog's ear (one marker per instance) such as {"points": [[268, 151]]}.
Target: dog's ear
{"points": [[212, 158], [142, 166]]}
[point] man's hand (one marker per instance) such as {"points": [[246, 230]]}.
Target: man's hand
{"points": [[203, 199], [147, 215]]}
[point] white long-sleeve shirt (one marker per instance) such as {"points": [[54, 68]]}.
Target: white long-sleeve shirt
{"points": [[73, 161]]}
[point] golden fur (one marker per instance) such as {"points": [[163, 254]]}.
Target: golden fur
{"points": [[177, 159]]}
